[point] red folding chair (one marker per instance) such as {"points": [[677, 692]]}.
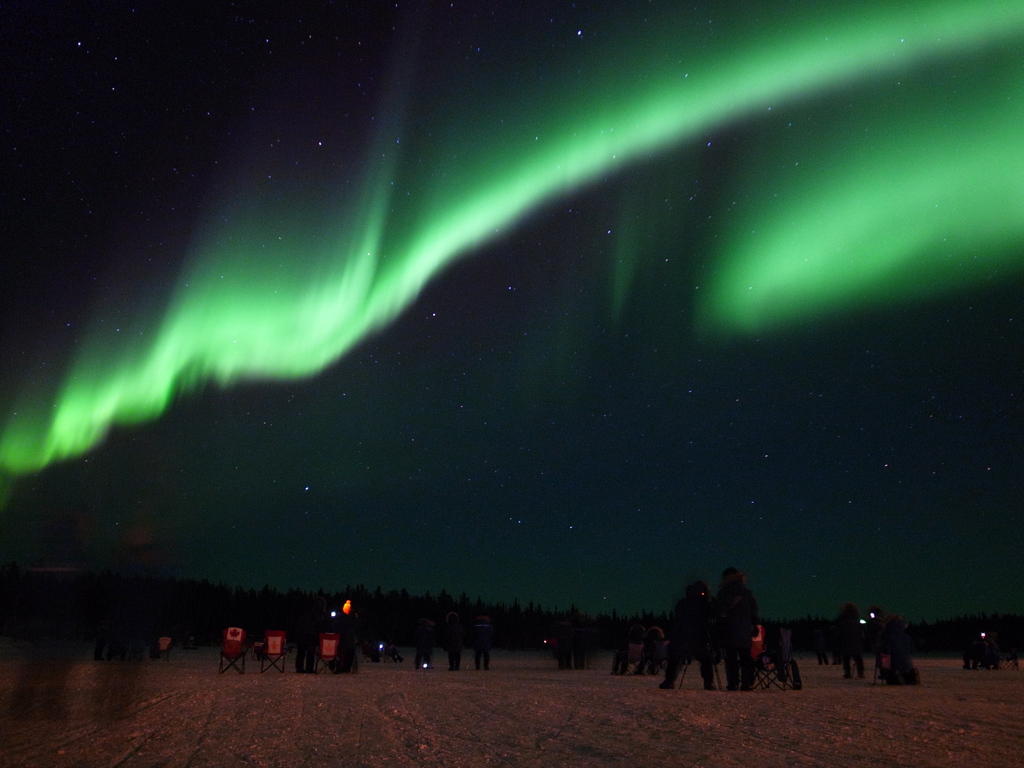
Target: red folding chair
{"points": [[327, 651], [274, 650], [232, 651], [757, 643], [163, 646]]}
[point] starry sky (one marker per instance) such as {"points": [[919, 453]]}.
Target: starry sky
{"points": [[572, 304]]}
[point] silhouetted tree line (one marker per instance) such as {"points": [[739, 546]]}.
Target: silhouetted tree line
{"points": [[77, 605]]}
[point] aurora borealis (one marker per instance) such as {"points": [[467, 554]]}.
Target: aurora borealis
{"points": [[669, 187]]}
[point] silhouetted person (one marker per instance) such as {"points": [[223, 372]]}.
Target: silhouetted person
{"points": [[737, 614], [391, 652], [348, 631], [897, 645], [819, 643], [483, 638], [563, 636], [690, 636], [579, 640], [975, 654], [873, 633], [307, 634], [851, 639], [424, 643], [453, 638], [834, 643]]}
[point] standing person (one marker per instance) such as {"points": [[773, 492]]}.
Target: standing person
{"points": [[424, 643], [873, 634], [307, 634], [579, 640], [348, 629], [834, 643], [562, 635], [820, 645], [737, 613], [897, 645], [483, 637], [851, 639], [690, 636], [453, 638]]}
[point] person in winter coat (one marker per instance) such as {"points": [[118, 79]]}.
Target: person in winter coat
{"points": [[347, 623], [453, 637], [307, 634], [897, 645], [873, 633], [737, 617], [819, 643], [483, 637], [690, 636], [424, 643], [561, 638], [851, 639]]}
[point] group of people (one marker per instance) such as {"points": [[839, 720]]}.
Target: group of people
{"points": [[568, 642], [453, 642], [315, 619], [734, 614], [983, 652], [885, 637], [707, 629], [704, 629]]}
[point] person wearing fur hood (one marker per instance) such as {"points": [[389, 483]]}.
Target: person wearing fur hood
{"points": [[737, 615]]}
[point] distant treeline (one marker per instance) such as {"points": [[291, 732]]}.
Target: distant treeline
{"points": [[40, 604]]}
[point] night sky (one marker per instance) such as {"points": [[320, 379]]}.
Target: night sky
{"points": [[566, 302]]}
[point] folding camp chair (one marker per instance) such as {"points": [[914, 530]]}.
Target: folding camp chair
{"points": [[327, 651], [232, 651], [634, 659], [776, 666], [163, 647], [274, 650], [656, 658]]}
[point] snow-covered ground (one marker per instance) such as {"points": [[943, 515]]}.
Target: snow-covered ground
{"points": [[66, 710]]}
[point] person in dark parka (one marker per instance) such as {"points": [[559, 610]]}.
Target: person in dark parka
{"points": [[424, 643], [897, 645], [562, 635], [690, 636], [873, 634], [453, 638], [348, 629], [737, 617], [851, 639], [307, 634], [483, 637], [819, 643]]}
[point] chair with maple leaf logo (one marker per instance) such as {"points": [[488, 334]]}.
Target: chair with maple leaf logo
{"points": [[232, 651], [327, 651], [274, 650]]}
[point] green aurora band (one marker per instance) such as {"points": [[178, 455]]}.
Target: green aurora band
{"points": [[859, 220]]}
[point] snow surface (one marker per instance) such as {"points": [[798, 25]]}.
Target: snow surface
{"points": [[63, 709]]}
